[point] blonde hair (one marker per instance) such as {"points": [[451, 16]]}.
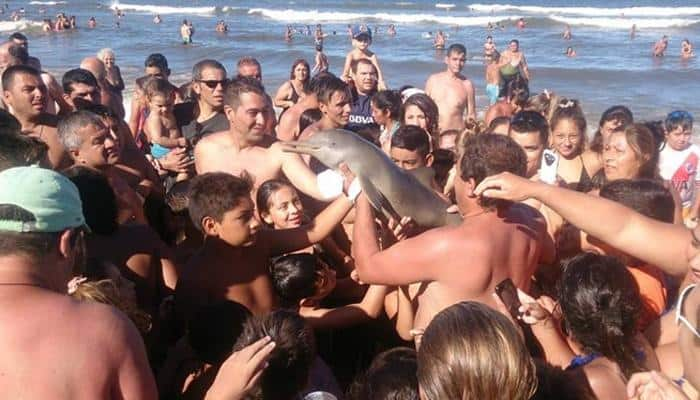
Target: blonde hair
{"points": [[105, 291], [472, 352]]}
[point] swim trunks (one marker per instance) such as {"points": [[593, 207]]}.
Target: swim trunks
{"points": [[492, 90]]}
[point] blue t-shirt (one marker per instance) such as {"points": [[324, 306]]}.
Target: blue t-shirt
{"points": [[361, 113]]}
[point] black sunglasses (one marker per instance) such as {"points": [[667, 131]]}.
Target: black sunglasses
{"points": [[213, 84]]}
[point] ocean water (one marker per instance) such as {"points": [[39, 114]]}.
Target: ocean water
{"points": [[610, 67]]}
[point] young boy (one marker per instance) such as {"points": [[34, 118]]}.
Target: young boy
{"points": [[360, 43], [678, 162], [410, 148], [233, 261], [161, 127], [321, 64]]}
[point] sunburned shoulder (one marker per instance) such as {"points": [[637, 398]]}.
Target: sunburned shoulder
{"points": [[215, 138]]}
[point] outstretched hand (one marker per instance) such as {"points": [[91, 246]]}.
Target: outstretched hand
{"points": [[506, 186], [402, 229], [241, 371]]}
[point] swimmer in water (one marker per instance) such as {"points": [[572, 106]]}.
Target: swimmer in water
{"points": [[567, 33], [489, 48], [288, 34], [157, 20], [633, 31], [521, 23], [92, 22], [570, 52], [439, 41], [686, 49], [660, 46], [391, 31]]}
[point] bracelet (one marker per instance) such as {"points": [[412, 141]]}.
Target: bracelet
{"points": [[354, 190]]}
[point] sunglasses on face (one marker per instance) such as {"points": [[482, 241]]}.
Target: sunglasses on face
{"points": [[212, 84]]}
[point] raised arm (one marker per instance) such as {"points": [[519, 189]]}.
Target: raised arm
{"points": [[401, 264], [283, 241], [658, 243], [381, 83], [298, 173]]}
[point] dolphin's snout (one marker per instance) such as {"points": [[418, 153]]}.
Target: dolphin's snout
{"points": [[299, 147]]}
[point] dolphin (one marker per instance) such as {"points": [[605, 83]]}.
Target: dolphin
{"points": [[390, 189]]}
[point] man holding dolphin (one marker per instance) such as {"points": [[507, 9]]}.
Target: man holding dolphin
{"points": [[495, 241], [246, 148]]}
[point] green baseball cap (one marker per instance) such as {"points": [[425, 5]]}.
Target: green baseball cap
{"points": [[50, 197]]}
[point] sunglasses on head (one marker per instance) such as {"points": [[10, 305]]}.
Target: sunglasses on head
{"points": [[212, 84]]}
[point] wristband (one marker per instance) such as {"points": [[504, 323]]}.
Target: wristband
{"points": [[354, 190], [330, 184]]}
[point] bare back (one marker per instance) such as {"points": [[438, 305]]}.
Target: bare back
{"points": [[454, 96], [41, 358], [479, 254]]}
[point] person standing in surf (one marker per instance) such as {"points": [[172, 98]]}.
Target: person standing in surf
{"points": [[513, 64], [186, 32]]}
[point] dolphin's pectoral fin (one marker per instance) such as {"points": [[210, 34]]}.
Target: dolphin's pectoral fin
{"points": [[378, 200]]}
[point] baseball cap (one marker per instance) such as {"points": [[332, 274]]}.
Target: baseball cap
{"points": [[357, 32], [50, 197]]}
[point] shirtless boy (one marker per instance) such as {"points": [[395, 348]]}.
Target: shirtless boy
{"points": [[288, 127], [233, 262], [497, 240], [246, 148], [361, 39], [334, 100], [42, 358], [25, 93], [452, 92]]}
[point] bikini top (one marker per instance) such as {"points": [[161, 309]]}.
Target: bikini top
{"points": [[679, 311]]}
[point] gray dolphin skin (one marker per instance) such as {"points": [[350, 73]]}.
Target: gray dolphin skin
{"points": [[389, 188]]}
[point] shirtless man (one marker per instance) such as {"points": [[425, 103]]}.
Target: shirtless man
{"points": [[288, 128], [452, 92], [246, 148], [25, 93], [489, 48], [439, 41], [513, 63], [497, 240], [108, 98], [249, 67], [660, 46], [334, 101], [43, 357]]}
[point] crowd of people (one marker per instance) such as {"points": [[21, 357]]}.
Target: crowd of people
{"points": [[188, 252]]}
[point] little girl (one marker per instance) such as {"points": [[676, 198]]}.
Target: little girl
{"points": [[160, 127]]}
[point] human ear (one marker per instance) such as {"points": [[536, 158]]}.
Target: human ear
{"points": [[210, 226]]}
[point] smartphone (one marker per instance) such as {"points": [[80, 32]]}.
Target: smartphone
{"points": [[549, 166], [508, 294]]}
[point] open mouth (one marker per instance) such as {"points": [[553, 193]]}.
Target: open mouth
{"points": [[299, 147]]}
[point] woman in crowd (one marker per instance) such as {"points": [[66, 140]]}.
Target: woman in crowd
{"points": [[295, 88]]}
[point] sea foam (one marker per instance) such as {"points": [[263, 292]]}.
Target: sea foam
{"points": [[22, 24], [625, 23], [153, 9], [47, 3], [591, 11]]}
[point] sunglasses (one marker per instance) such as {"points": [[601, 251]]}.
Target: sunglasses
{"points": [[213, 83]]}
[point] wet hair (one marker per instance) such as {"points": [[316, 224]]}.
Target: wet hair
{"points": [[198, 68], [19, 36], [303, 62], [308, 117], [412, 138], [289, 364], [330, 86], [69, 127], [647, 197], [213, 330], [456, 48], [215, 193], [429, 108], [600, 304], [294, 278], [18, 150], [490, 154], [457, 357], [614, 113], [678, 118], [8, 76], [391, 376], [99, 201], [265, 192], [77, 75], [239, 86], [517, 90], [356, 63], [530, 121], [158, 87], [157, 60], [388, 100], [641, 141]]}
